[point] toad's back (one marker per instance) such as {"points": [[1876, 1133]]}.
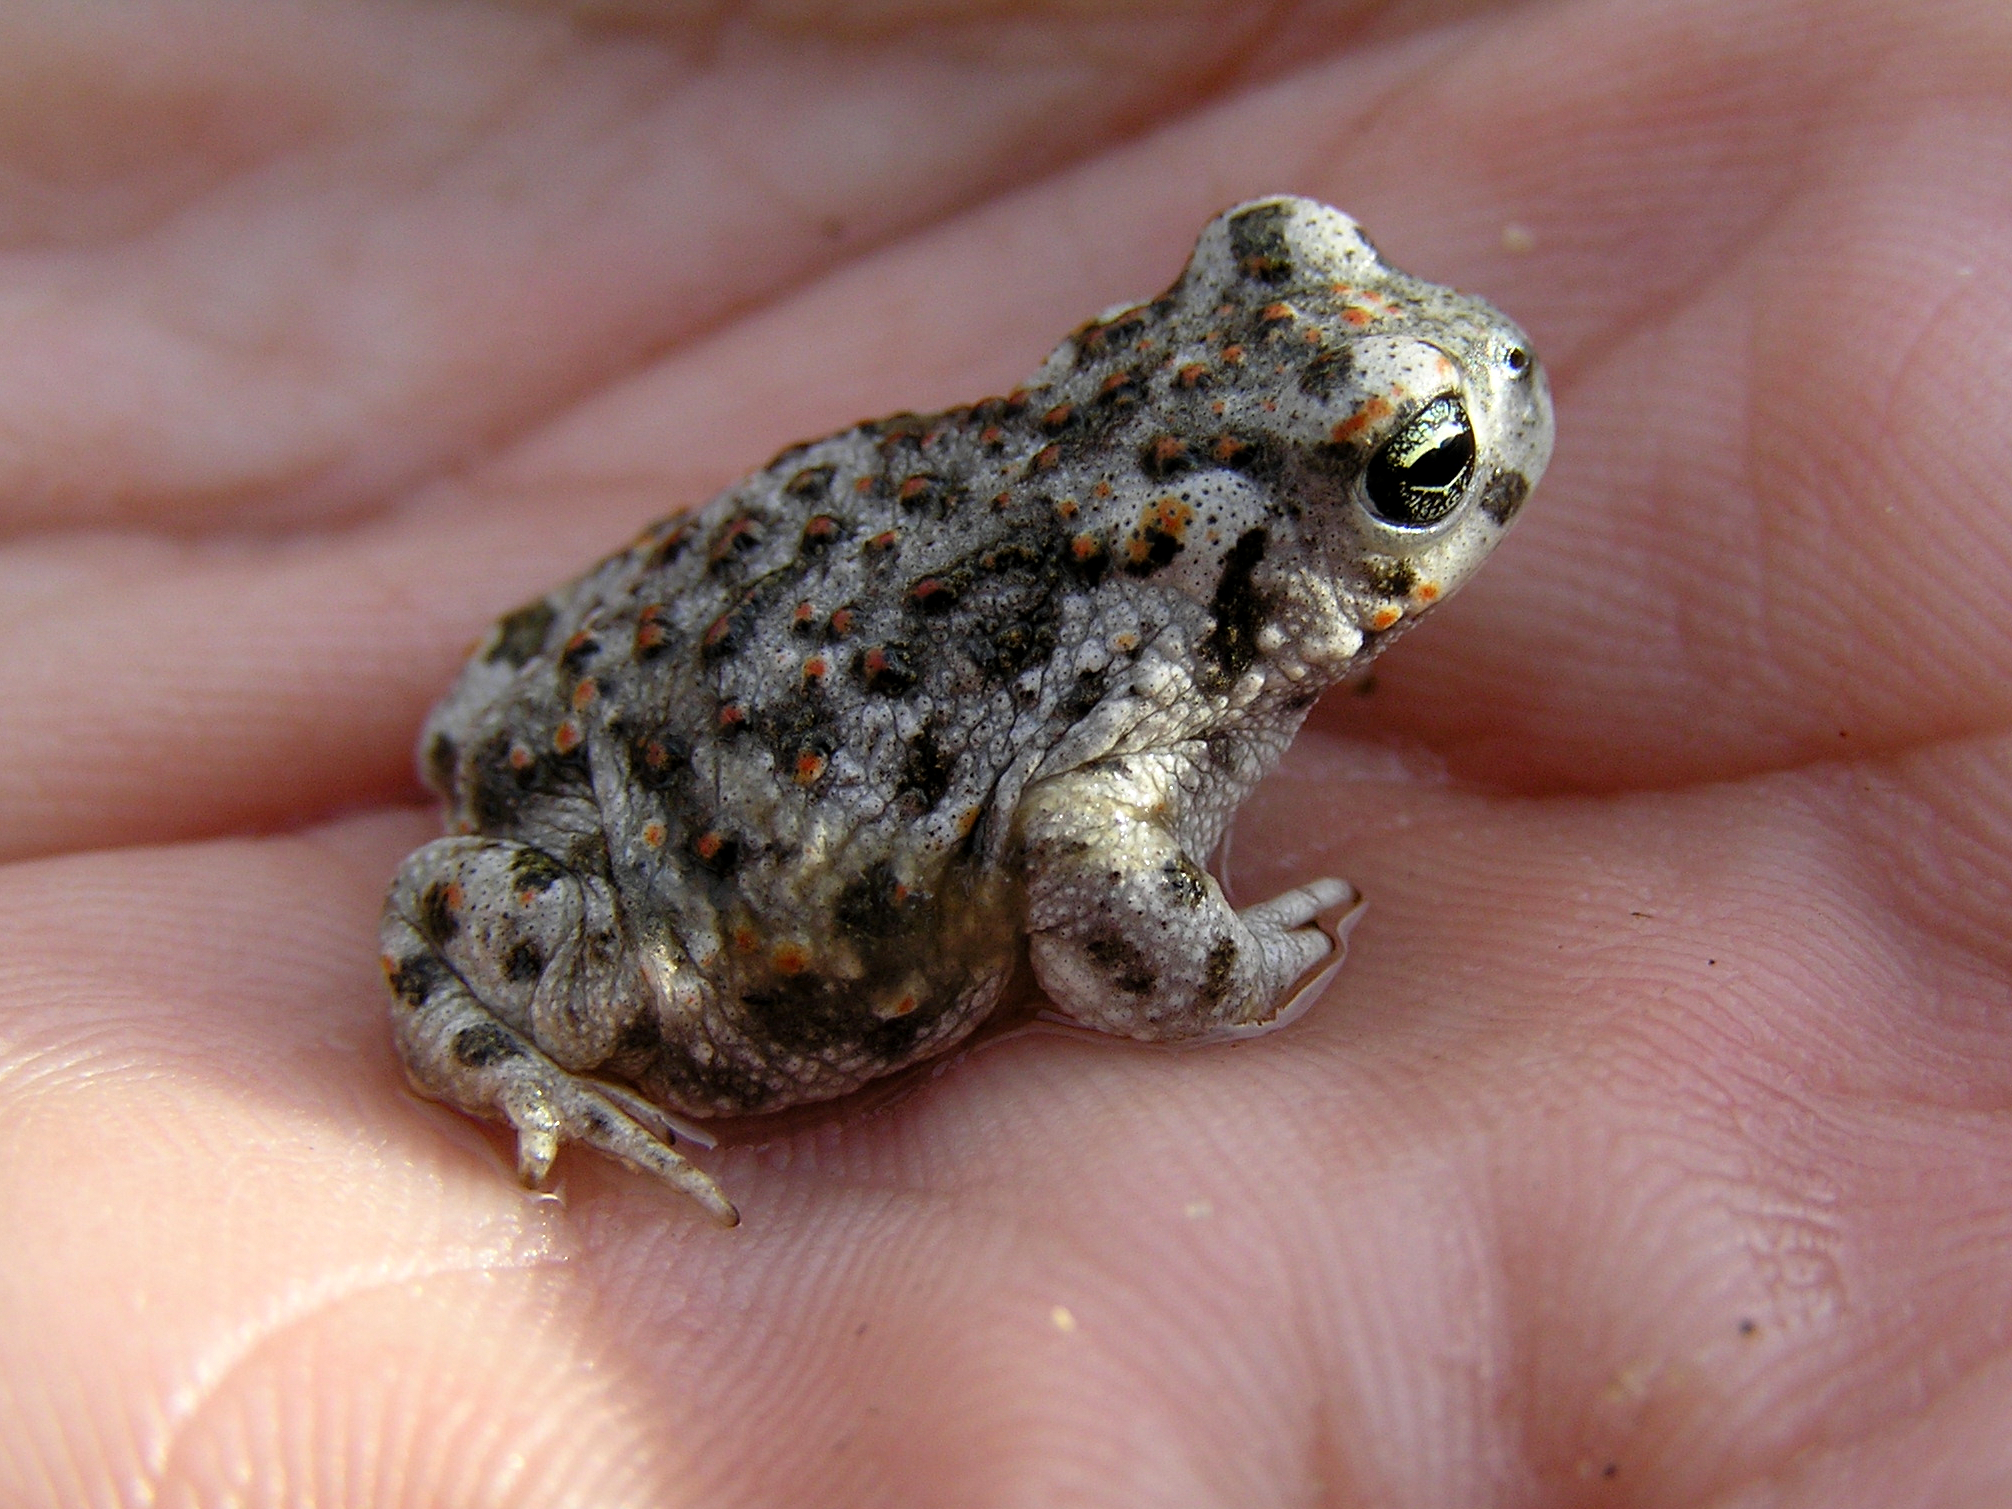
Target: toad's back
{"points": [[800, 720]]}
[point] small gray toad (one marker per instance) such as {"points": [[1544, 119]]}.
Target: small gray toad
{"points": [[768, 804]]}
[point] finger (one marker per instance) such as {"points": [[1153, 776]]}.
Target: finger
{"points": [[276, 262]]}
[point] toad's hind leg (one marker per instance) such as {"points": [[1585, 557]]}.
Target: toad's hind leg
{"points": [[475, 932]]}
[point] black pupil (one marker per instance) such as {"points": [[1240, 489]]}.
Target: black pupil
{"points": [[1445, 464], [1418, 476]]}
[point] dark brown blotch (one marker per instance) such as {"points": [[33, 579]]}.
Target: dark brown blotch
{"points": [[1015, 645], [1160, 535], [1165, 456], [1388, 576], [521, 634], [1089, 557], [1121, 389], [1100, 337], [506, 774], [939, 593], [811, 482], [484, 1044], [726, 634], [927, 769], [716, 851], [1326, 372], [1122, 963], [666, 542], [653, 633], [1084, 693], [641, 1036], [734, 538], [924, 492], [1258, 244], [1504, 495], [1259, 457], [880, 907], [1219, 970], [821, 530], [1239, 608], [1185, 882], [437, 919], [414, 979], [658, 760], [535, 870], [524, 961], [888, 669], [442, 755]]}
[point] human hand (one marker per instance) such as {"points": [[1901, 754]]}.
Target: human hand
{"points": [[1652, 1145]]}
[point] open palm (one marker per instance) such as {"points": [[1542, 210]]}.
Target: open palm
{"points": [[1655, 1146]]}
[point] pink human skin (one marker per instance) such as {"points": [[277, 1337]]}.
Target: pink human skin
{"points": [[1650, 1149]]}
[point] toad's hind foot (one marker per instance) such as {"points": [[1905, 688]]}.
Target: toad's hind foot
{"points": [[455, 1051], [548, 1106]]}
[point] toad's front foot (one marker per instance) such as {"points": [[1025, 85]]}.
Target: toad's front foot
{"points": [[1130, 936]]}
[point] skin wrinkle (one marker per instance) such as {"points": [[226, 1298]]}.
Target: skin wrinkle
{"points": [[313, 465], [207, 1374]]}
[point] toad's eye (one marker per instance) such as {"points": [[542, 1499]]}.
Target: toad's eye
{"points": [[1419, 475]]}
